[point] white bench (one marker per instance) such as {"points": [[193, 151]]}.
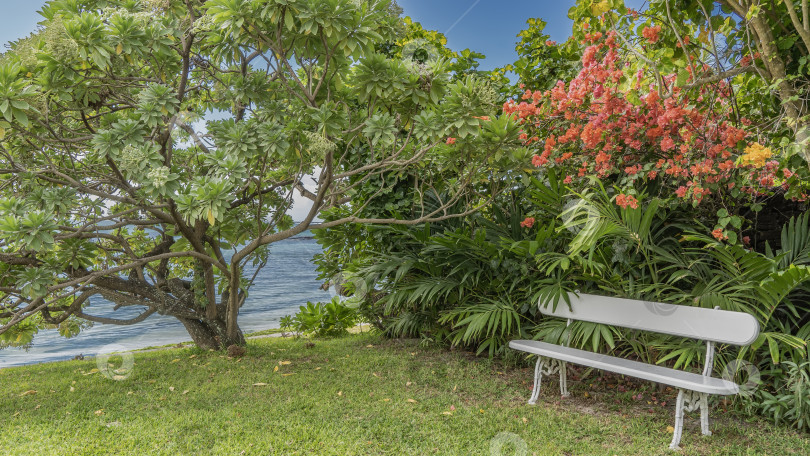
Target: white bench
{"points": [[711, 325]]}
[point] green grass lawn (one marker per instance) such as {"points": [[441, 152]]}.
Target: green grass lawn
{"points": [[357, 395]]}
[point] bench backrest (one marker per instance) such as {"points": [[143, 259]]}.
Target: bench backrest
{"points": [[714, 325]]}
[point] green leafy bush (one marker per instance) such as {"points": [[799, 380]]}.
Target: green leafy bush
{"points": [[790, 400], [322, 319]]}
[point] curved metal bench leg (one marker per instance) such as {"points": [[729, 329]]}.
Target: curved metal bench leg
{"points": [[563, 380], [538, 377], [704, 414], [676, 435], [689, 401], [548, 366]]}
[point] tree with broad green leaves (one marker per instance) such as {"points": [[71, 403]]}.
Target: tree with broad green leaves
{"points": [[151, 149]]}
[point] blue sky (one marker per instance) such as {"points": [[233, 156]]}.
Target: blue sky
{"points": [[486, 26], [489, 26]]}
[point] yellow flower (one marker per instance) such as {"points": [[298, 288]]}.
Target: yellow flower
{"points": [[756, 154]]}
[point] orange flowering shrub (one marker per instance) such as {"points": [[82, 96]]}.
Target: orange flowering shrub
{"points": [[612, 123]]}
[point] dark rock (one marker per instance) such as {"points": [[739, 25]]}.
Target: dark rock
{"points": [[235, 351], [766, 225]]}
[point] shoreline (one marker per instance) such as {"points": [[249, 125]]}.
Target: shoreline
{"points": [[149, 348], [260, 334]]}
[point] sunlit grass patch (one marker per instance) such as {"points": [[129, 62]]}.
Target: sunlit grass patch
{"points": [[356, 395]]}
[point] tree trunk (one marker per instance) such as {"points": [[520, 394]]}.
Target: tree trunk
{"points": [[212, 334], [803, 139], [233, 304], [775, 65]]}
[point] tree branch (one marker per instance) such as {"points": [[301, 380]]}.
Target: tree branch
{"points": [[115, 321], [797, 23]]}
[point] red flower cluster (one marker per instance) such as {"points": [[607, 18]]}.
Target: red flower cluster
{"points": [[450, 141], [746, 60], [626, 200], [651, 33], [528, 222], [523, 109], [719, 235]]}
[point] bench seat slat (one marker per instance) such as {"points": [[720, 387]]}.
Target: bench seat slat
{"points": [[659, 374]]}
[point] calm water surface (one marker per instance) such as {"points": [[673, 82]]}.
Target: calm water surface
{"points": [[289, 280]]}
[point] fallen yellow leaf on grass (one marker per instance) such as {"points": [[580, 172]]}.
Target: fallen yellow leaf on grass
{"points": [[290, 373], [72, 389], [260, 384], [192, 356], [176, 360], [99, 412], [340, 393], [408, 383], [525, 420], [447, 413], [412, 401], [284, 363], [481, 410], [171, 388], [375, 374], [369, 346], [91, 372], [28, 393], [185, 391], [386, 400], [670, 429], [275, 369], [317, 368]]}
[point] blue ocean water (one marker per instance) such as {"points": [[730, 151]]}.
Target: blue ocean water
{"points": [[289, 280]]}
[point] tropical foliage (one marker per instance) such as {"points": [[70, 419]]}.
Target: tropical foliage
{"points": [[152, 149], [652, 156]]}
